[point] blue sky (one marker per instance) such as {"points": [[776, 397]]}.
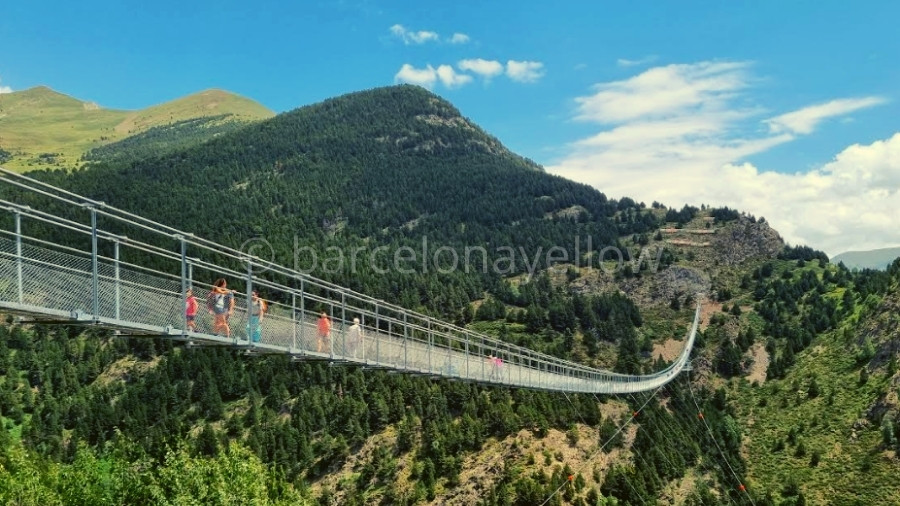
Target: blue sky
{"points": [[675, 101]]}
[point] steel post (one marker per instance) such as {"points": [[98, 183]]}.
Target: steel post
{"points": [[467, 356], [302, 315], [250, 328], [293, 321], [95, 269], [118, 279], [184, 286], [343, 325], [405, 342], [20, 281]]}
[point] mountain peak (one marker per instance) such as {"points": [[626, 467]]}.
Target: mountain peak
{"points": [[40, 89], [412, 96], [407, 117], [38, 95], [209, 102]]}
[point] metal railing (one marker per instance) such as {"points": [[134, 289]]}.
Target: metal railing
{"points": [[140, 286]]}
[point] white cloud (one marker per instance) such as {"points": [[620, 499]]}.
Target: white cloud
{"points": [[667, 91], [524, 71], [5, 89], [413, 37], [624, 62], [450, 78], [804, 121], [847, 204], [428, 76], [459, 38], [679, 134], [485, 68], [423, 77]]}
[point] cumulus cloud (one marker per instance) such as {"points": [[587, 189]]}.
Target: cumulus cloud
{"points": [[413, 37], [679, 134], [524, 71], [423, 77], [624, 62], [485, 68], [459, 38], [5, 89], [450, 78], [804, 121], [847, 204], [429, 76]]}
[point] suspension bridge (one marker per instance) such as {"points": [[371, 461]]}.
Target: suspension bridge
{"points": [[79, 261]]}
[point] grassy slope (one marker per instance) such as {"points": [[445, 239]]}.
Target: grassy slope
{"points": [[854, 468], [40, 120], [851, 465]]}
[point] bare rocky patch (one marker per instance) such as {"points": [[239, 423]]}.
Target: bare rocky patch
{"points": [[757, 371], [122, 370], [668, 350]]}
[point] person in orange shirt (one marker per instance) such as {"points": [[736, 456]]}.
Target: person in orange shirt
{"points": [[324, 332]]}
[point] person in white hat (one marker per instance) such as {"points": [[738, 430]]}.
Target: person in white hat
{"points": [[354, 337]]}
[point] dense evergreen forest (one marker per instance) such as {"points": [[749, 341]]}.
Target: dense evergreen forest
{"points": [[135, 420], [164, 139], [96, 419]]}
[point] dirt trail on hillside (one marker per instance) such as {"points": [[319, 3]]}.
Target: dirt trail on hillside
{"points": [[760, 364]]}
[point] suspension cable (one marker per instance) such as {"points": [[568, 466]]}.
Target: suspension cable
{"points": [[741, 486], [608, 441]]}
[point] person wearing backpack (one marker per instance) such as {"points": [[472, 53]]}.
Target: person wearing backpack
{"points": [[220, 304]]}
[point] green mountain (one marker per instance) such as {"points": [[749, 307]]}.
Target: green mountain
{"points": [[871, 259], [40, 127], [387, 166], [794, 372]]}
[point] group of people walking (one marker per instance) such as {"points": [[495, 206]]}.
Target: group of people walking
{"points": [[220, 304]]}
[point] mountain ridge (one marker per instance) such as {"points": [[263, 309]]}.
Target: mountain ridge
{"points": [[41, 127], [879, 258]]}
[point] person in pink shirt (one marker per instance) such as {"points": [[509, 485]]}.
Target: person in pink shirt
{"points": [[496, 363], [190, 310]]}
